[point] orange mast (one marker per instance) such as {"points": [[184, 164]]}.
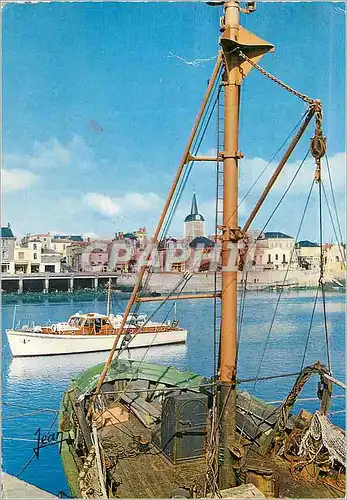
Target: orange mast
{"points": [[233, 39]]}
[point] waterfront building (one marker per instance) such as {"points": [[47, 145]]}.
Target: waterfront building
{"points": [[194, 223], [60, 243], [8, 242], [172, 255], [57, 242], [275, 251], [203, 257], [101, 255], [88, 256], [32, 257], [44, 238], [125, 258], [308, 254], [334, 259], [141, 236]]}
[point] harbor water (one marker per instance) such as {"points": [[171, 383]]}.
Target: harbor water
{"points": [[32, 387]]}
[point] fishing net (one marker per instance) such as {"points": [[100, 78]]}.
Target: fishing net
{"points": [[323, 433]]}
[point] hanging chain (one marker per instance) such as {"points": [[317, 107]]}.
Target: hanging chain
{"points": [[263, 71], [318, 142]]}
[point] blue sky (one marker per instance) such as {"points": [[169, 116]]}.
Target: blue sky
{"points": [[97, 109]]}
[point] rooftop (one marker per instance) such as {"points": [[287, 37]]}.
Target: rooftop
{"points": [[276, 234], [202, 241], [306, 244], [6, 232], [68, 237]]}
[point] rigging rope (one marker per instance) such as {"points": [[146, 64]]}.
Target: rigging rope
{"points": [[241, 313], [309, 330], [188, 168], [183, 281], [28, 462], [279, 203], [321, 278], [272, 158], [342, 253], [333, 198], [197, 141], [276, 308], [29, 414]]}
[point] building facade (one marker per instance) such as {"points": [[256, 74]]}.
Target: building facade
{"points": [[57, 242], [275, 251], [8, 242], [334, 259], [308, 254], [32, 257]]}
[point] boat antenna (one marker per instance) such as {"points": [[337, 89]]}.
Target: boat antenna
{"points": [[108, 311], [234, 38]]}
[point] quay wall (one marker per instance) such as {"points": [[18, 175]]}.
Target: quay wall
{"points": [[62, 282], [159, 282], [204, 282]]}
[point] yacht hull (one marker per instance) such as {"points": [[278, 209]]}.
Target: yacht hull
{"points": [[44, 344]]}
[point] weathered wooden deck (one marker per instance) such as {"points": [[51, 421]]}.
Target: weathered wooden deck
{"points": [[145, 474], [151, 475]]}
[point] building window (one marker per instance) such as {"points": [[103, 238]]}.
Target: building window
{"points": [[35, 256], [35, 247], [284, 261], [276, 256], [269, 259], [49, 269], [21, 255], [337, 258]]}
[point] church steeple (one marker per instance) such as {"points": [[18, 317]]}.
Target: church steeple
{"points": [[194, 209], [194, 214], [194, 222]]}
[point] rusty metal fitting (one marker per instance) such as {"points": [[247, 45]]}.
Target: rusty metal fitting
{"points": [[237, 154], [318, 145], [189, 157], [316, 105], [235, 84], [230, 234], [317, 173]]}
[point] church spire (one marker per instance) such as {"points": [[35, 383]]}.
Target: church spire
{"points": [[194, 215], [194, 209]]}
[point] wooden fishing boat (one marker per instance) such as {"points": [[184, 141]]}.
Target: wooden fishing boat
{"points": [[135, 429]]}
